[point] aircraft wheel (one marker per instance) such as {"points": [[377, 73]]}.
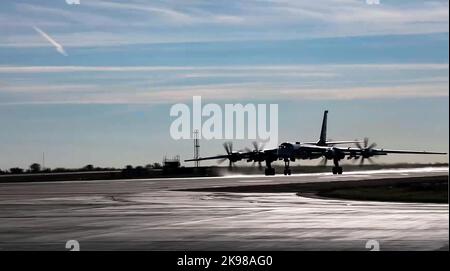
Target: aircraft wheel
{"points": [[339, 170], [334, 170], [269, 171], [272, 171]]}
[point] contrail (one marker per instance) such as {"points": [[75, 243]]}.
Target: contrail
{"points": [[58, 46]]}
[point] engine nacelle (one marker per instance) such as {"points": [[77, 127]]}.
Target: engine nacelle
{"points": [[334, 154], [367, 153]]}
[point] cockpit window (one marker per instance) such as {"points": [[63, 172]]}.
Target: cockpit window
{"points": [[286, 146]]}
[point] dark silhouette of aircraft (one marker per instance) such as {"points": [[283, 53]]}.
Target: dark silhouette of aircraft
{"points": [[323, 148]]}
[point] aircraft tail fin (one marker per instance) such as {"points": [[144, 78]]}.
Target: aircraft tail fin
{"points": [[323, 132]]}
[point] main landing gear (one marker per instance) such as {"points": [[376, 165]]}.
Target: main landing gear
{"points": [[287, 170], [269, 169], [337, 169]]}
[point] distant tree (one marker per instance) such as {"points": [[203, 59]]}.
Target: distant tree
{"points": [[16, 170], [128, 170], [140, 170], [35, 167], [60, 169], [2, 172], [157, 166], [88, 168]]}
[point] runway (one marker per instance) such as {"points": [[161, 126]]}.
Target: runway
{"points": [[152, 214]]}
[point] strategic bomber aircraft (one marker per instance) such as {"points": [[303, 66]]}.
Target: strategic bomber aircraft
{"points": [[323, 148]]}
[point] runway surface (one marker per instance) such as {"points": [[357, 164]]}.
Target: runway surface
{"points": [[150, 215]]}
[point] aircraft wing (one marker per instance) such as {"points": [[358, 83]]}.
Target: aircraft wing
{"points": [[335, 142], [385, 151], [208, 158], [343, 142], [374, 151], [406, 152], [250, 155]]}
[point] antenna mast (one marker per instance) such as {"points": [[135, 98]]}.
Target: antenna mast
{"points": [[196, 148]]}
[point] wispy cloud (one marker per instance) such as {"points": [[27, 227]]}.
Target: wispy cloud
{"points": [[59, 48], [239, 68], [111, 23], [159, 84], [96, 95], [170, 14]]}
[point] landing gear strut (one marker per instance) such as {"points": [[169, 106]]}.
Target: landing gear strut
{"points": [[269, 169], [337, 169], [287, 170]]}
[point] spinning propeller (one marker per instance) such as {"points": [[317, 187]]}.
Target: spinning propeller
{"points": [[366, 151], [232, 157], [257, 154]]}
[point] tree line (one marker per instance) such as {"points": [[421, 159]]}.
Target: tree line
{"points": [[37, 168]]}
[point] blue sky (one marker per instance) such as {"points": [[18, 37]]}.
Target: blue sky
{"points": [[381, 70]]}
